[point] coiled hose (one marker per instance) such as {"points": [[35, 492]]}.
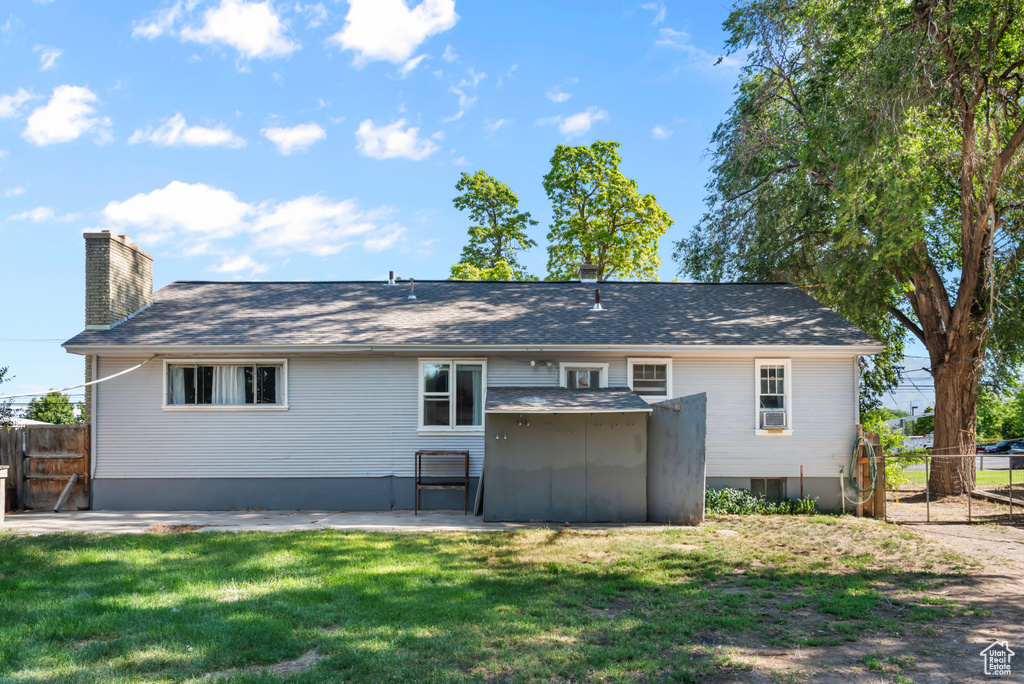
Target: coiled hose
{"points": [[873, 468]]}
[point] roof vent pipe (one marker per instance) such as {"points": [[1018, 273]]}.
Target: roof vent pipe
{"points": [[412, 289], [391, 277], [597, 301], [587, 272]]}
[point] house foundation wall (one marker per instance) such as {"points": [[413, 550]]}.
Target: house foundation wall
{"points": [[824, 489], [236, 494]]}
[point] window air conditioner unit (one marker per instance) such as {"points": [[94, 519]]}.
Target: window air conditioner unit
{"points": [[773, 419]]}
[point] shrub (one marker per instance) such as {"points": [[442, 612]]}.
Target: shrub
{"points": [[741, 502]]}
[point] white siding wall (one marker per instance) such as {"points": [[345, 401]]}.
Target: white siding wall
{"points": [[347, 417], [356, 417], [824, 407]]}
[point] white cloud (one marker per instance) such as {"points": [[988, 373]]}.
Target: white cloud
{"points": [[661, 132], [315, 14], [465, 102], [474, 78], [495, 125], [197, 216], [295, 139], [389, 30], [42, 215], [393, 141], [67, 116], [175, 132], [162, 21], [181, 208], [255, 29], [410, 65], [47, 56], [16, 191], [316, 225], [252, 28], [385, 240], [557, 95], [658, 8], [11, 105], [449, 54], [242, 262], [471, 80], [578, 124], [695, 56]]}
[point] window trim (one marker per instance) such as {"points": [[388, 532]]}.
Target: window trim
{"points": [[647, 361], [283, 406], [563, 366], [787, 366], [451, 427]]}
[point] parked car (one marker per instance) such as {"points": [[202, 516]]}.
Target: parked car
{"points": [[1000, 448], [1017, 448]]}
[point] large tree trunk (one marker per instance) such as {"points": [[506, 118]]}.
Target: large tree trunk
{"points": [[956, 399]]}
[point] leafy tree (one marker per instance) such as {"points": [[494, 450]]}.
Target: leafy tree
{"points": [[600, 217], [53, 407], [1013, 424], [891, 440], [993, 409], [872, 157], [498, 232], [501, 270], [6, 410]]}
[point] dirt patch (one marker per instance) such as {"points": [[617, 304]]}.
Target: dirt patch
{"points": [[618, 607], [911, 503], [282, 669], [160, 528]]}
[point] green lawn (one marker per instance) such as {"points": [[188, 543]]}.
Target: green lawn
{"points": [[982, 477], [457, 607]]}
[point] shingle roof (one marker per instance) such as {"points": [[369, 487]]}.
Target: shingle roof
{"points": [[462, 313], [562, 400]]}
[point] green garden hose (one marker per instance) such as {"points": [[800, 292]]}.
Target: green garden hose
{"points": [[873, 467]]}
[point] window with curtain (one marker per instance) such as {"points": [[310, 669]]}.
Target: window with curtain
{"points": [[224, 384], [452, 394], [584, 375]]}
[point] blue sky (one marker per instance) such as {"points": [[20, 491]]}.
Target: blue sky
{"points": [[319, 140]]}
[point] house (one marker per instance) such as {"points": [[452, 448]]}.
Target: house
{"points": [[316, 395]]}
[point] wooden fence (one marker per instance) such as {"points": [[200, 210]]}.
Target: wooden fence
{"points": [[42, 461]]}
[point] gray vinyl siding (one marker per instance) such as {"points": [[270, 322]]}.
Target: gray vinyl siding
{"points": [[347, 417], [357, 417], [824, 416]]}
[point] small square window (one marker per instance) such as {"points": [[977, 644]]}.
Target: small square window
{"points": [[650, 378], [583, 376]]}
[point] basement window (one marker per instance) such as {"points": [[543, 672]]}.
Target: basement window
{"points": [[212, 384], [452, 394], [650, 378], [768, 487]]}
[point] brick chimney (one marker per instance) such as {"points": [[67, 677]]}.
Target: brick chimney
{"points": [[118, 279], [118, 282], [588, 273]]}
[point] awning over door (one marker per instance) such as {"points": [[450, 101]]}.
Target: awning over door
{"points": [[562, 400]]}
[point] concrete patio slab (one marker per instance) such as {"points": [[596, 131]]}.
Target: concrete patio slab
{"points": [[122, 522]]}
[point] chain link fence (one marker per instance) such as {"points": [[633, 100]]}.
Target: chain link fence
{"points": [[997, 495]]}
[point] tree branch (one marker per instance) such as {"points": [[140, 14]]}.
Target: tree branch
{"points": [[907, 322]]}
